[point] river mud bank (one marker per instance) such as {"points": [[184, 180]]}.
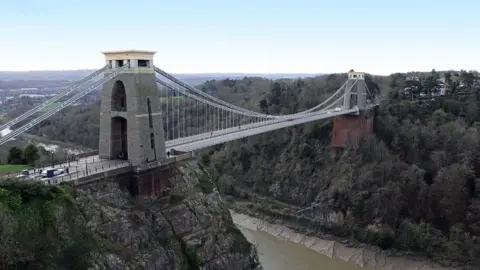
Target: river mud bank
{"points": [[363, 256]]}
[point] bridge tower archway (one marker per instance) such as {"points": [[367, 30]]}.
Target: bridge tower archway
{"points": [[358, 91], [131, 125], [119, 97], [119, 138]]}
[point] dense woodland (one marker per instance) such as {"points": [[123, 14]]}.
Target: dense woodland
{"points": [[417, 175]]}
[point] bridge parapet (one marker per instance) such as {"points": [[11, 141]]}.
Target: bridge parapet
{"points": [[78, 177], [100, 172], [101, 176], [164, 162]]}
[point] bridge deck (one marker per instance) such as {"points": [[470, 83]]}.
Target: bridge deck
{"points": [[78, 169], [94, 165], [221, 136]]}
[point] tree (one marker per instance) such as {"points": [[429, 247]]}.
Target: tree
{"points": [[448, 78], [15, 155], [372, 86], [435, 74], [264, 105], [397, 81], [468, 78], [275, 93], [30, 154], [415, 86], [431, 84]]}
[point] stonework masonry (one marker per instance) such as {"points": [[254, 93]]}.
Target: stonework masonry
{"points": [[151, 183], [131, 124], [349, 129], [358, 94]]}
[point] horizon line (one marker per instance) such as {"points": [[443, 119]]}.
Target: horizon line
{"points": [[192, 73], [245, 73]]}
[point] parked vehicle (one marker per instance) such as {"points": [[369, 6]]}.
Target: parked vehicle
{"points": [[51, 172]]}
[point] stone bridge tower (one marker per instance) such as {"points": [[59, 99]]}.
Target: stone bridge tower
{"points": [[131, 124], [348, 129]]}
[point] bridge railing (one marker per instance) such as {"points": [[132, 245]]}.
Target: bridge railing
{"points": [[167, 161], [195, 145], [217, 133], [67, 162], [83, 173]]}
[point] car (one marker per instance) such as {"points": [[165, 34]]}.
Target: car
{"points": [[291, 119]]}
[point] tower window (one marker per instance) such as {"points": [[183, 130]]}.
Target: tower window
{"points": [[152, 141], [149, 108], [143, 63]]}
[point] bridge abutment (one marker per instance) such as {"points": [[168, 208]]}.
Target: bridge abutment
{"points": [[143, 185], [151, 183], [349, 129]]}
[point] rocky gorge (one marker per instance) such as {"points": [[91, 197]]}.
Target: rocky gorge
{"points": [[100, 226]]}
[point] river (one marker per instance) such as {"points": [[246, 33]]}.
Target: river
{"points": [[281, 248], [278, 254]]}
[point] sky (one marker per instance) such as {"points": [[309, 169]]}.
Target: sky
{"points": [[244, 36]]}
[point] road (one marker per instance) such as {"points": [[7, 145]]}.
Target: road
{"points": [[82, 167], [92, 168], [249, 130], [267, 125]]}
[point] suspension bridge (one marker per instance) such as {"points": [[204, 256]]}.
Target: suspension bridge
{"points": [[145, 126]]}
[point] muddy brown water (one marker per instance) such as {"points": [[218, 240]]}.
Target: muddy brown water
{"points": [[279, 254]]}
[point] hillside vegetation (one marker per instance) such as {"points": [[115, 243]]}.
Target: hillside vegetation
{"points": [[40, 228], [414, 181], [101, 226]]}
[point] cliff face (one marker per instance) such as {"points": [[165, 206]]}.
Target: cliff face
{"points": [[100, 226], [186, 230]]}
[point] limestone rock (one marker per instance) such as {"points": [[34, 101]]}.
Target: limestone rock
{"points": [[195, 232]]}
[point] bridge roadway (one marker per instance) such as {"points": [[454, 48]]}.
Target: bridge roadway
{"points": [[78, 169], [196, 142], [264, 125], [95, 165]]}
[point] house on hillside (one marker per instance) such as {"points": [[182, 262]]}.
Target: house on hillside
{"points": [[415, 83], [412, 78], [476, 83], [413, 88], [441, 88]]}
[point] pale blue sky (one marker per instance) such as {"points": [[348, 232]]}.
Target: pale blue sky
{"points": [[250, 36]]}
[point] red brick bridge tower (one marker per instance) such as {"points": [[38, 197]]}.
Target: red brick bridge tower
{"points": [[349, 129]]}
